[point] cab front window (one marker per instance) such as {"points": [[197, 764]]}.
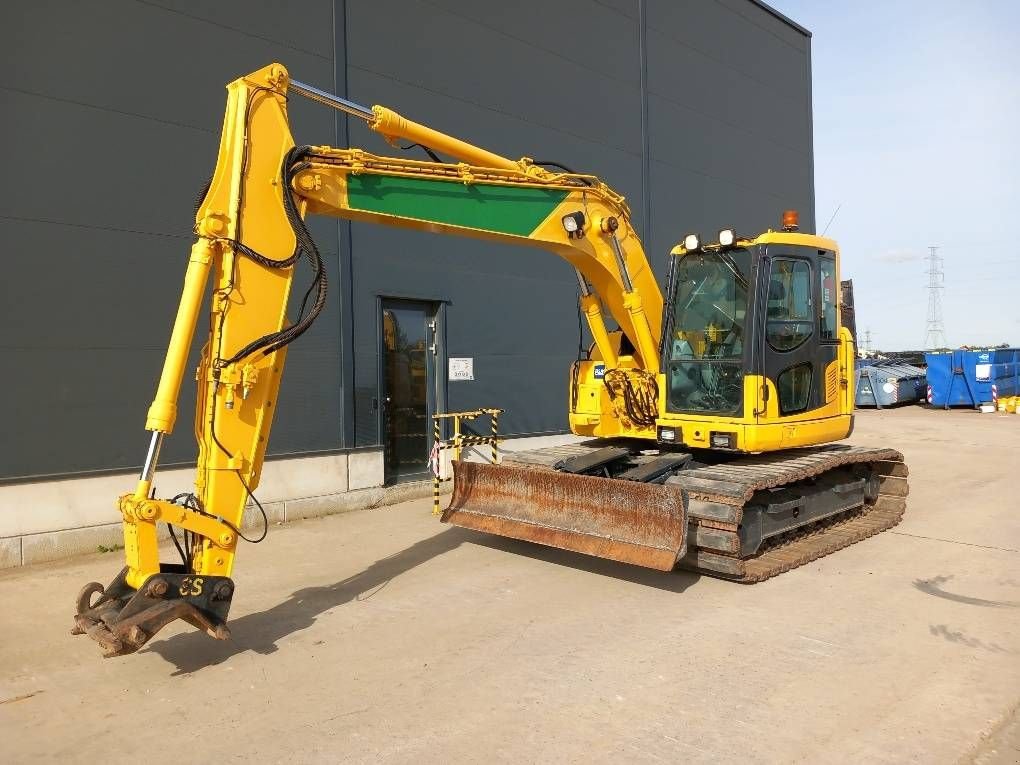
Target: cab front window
{"points": [[705, 361]]}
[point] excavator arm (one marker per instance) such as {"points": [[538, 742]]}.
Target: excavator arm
{"points": [[250, 238]]}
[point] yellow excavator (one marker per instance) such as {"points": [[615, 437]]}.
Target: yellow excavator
{"points": [[709, 412]]}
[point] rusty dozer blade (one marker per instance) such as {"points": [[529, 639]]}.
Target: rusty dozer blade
{"points": [[639, 523], [123, 619]]}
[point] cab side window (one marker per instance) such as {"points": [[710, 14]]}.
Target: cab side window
{"points": [[789, 314], [794, 386]]}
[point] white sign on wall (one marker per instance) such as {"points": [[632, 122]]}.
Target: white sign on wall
{"points": [[462, 369]]}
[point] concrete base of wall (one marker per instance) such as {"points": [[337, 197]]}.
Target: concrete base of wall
{"points": [[49, 520], [54, 545]]}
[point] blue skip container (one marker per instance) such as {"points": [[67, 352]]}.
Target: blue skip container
{"points": [[972, 378], [887, 382]]}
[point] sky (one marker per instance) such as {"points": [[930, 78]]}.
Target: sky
{"points": [[917, 143]]}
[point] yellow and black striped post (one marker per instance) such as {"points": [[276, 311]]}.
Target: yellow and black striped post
{"points": [[495, 431], [436, 466], [469, 441]]}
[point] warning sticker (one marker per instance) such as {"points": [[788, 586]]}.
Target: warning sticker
{"points": [[462, 369]]}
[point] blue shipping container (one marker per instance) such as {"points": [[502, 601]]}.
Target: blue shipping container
{"points": [[966, 378]]}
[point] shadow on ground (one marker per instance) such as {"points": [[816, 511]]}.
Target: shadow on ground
{"points": [[260, 632], [675, 581]]}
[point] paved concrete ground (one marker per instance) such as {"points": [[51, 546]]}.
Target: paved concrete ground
{"points": [[384, 636]]}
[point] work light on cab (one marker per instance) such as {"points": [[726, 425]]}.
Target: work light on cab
{"points": [[692, 243], [727, 237]]}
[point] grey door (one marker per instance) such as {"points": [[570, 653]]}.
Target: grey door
{"points": [[408, 356]]}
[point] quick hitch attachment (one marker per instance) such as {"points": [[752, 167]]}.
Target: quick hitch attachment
{"points": [[123, 619]]}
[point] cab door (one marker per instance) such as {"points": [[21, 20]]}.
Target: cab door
{"points": [[791, 359]]}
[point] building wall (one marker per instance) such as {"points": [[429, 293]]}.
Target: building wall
{"points": [[111, 118], [699, 112]]}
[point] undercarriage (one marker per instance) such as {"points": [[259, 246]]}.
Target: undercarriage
{"points": [[745, 517]]}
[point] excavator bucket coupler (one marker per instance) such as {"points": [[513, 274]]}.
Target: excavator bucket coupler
{"points": [[625, 521], [122, 619]]}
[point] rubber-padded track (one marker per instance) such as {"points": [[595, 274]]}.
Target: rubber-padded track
{"points": [[808, 544]]}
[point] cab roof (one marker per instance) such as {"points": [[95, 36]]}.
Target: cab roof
{"points": [[796, 238]]}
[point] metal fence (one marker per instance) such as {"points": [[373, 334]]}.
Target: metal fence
{"points": [[458, 441]]}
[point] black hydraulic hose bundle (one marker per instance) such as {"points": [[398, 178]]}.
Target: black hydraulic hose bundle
{"points": [[641, 406], [305, 247]]}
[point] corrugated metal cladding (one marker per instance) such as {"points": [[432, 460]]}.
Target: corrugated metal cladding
{"points": [[111, 119]]}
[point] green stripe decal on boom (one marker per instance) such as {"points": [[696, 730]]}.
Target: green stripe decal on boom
{"points": [[515, 210]]}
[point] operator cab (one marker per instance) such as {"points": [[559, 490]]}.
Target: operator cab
{"points": [[739, 307]]}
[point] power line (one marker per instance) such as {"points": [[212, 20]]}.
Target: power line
{"points": [[935, 330], [831, 219]]}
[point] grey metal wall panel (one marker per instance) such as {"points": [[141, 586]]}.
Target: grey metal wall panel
{"points": [[300, 28], [108, 138], [116, 128], [729, 119], [526, 84], [519, 92], [72, 380]]}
